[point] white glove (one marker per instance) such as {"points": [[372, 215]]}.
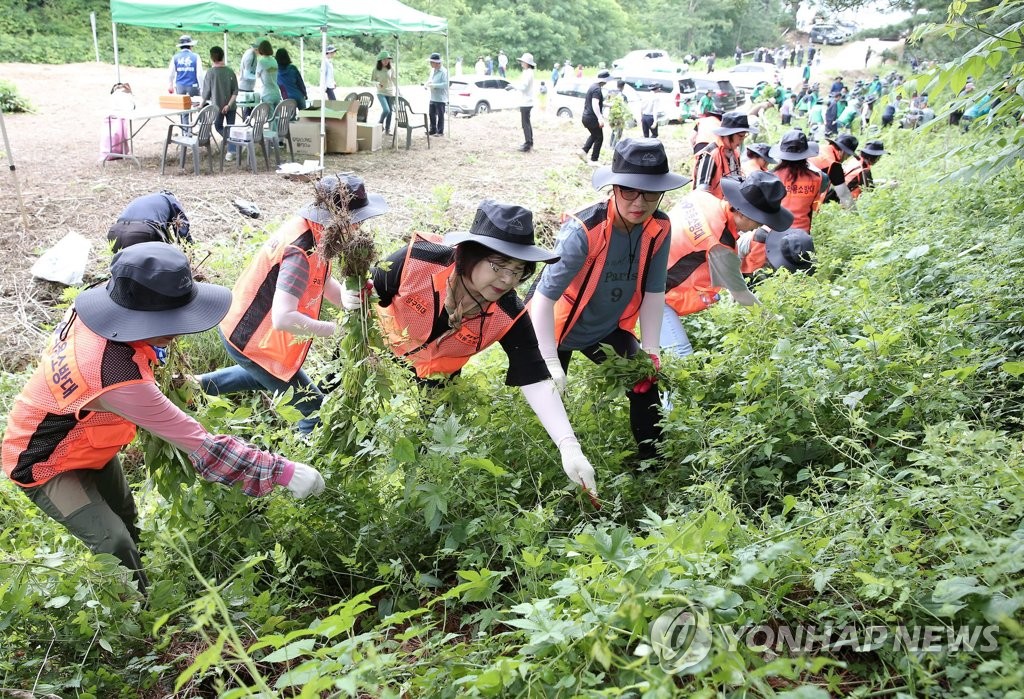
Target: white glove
{"points": [[743, 244], [557, 373], [350, 300], [305, 481], [576, 466]]}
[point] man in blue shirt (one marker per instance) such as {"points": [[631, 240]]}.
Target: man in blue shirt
{"points": [[156, 217], [186, 69]]}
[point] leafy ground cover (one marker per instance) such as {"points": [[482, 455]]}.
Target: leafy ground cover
{"points": [[847, 456]]}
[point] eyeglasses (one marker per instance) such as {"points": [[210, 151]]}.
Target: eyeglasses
{"points": [[513, 275], [630, 194]]}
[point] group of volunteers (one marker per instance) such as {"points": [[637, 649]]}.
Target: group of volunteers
{"points": [[620, 264]]}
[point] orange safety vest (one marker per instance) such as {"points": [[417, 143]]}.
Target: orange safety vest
{"points": [[749, 166], [727, 163], [804, 195], [248, 326], [757, 256], [703, 131], [49, 431], [856, 173], [699, 222], [597, 224], [830, 154], [409, 319]]}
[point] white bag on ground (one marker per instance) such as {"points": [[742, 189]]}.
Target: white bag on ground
{"points": [[65, 262]]}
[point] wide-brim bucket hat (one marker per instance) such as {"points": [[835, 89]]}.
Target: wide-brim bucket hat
{"points": [[331, 48], [434, 58], [151, 293], [507, 229], [639, 163], [384, 55], [347, 191], [874, 148], [792, 249], [185, 40], [846, 142], [528, 59], [732, 123], [763, 151], [603, 76], [794, 146], [759, 197]]}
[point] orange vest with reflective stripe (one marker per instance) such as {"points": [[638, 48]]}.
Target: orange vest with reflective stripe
{"points": [[699, 222], [409, 319], [48, 431], [828, 155], [597, 224], [757, 256], [804, 195], [727, 163], [855, 175], [248, 326]]}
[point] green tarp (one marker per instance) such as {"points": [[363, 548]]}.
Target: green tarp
{"points": [[285, 17]]}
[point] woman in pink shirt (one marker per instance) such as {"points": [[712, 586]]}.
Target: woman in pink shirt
{"points": [[95, 385]]}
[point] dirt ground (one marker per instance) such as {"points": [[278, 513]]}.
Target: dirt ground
{"points": [[66, 187]]}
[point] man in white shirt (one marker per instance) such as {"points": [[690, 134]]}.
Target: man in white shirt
{"points": [[327, 83]]}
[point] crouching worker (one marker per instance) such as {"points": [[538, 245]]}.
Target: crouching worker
{"points": [[441, 301], [276, 308], [610, 276], [791, 249], [703, 259], [95, 385], [157, 217]]}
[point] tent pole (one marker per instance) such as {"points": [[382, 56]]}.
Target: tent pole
{"points": [[323, 98], [117, 62], [14, 172], [95, 39], [448, 105], [302, 54], [225, 44], [397, 62]]}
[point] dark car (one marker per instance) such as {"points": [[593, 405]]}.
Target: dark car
{"points": [[722, 92], [827, 34]]}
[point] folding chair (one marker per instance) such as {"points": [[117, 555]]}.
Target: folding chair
{"points": [[282, 118], [409, 120], [365, 102], [193, 137]]}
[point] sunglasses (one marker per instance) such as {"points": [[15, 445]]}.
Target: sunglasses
{"points": [[630, 194]]}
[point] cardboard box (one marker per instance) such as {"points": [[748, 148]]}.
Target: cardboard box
{"points": [[175, 102], [368, 136], [305, 138], [340, 126]]}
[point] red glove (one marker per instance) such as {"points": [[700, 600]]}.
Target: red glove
{"points": [[647, 383], [170, 91]]}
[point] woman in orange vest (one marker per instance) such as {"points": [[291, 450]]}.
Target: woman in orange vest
{"points": [[806, 185], [444, 300], [703, 257], [858, 172], [791, 249], [830, 161], [276, 309], [611, 273], [721, 159], [95, 385], [702, 130], [758, 158]]}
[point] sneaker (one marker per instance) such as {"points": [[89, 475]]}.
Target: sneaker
{"points": [[593, 163], [431, 133], [582, 154], [230, 157]]}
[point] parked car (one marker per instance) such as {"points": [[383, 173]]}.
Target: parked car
{"points": [[723, 92], [748, 75], [641, 56], [479, 95], [674, 89], [826, 34], [567, 99], [847, 27]]}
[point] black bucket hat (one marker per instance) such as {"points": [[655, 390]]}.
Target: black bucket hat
{"points": [[791, 249], [763, 151], [345, 188], [151, 293], [874, 149], [759, 197], [506, 229], [434, 58], [794, 146], [846, 142], [604, 76], [734, 122], [640, 163]]}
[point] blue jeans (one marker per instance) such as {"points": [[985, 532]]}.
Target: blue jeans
{"points": [[386, 102], [674, 340], [247, 375]]}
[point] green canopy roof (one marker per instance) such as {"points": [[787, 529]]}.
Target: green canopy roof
{"points": [[287, 17]]}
